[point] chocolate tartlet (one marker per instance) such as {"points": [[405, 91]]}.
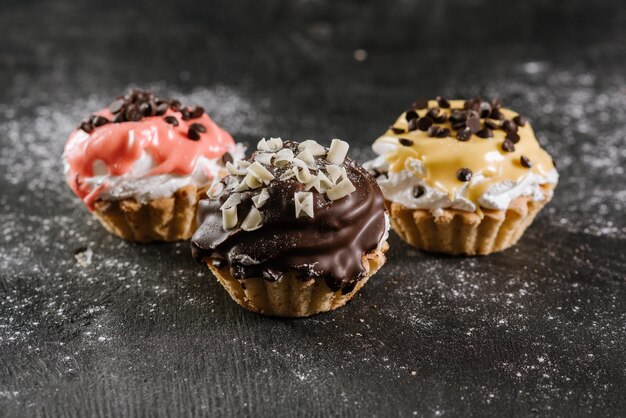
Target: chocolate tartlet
{"points": [[294, 230]]}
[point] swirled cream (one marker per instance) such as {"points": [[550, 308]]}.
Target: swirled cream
{"points": [[463, 155], [146, 148]]}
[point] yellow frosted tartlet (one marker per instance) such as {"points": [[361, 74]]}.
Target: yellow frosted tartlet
{"points": [[462, 177]]}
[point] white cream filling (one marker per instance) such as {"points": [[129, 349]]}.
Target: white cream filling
{"points": [[137, 184], [399, 187]]}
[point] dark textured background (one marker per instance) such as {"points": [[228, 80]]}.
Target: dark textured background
{"points": [[91, 325]]}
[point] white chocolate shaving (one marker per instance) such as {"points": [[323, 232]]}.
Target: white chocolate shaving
{"points": [[301, 171], [243, 163], [334, 172], [262, 145], [306, 156], [324, 181], [260, 199], [241, 186], [338, 151], [287, 175], [252, 181], [234, 170], [342, 189], [229, 217], [283, 157], [304, 204], [274, 144], [233, 200], [313, 147], [216, 189], [264, 158], [254, 220], [260, 172]]}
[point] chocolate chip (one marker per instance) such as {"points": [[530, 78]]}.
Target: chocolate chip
{"points": [[525, 161], [193, 134], [473, 104], [119, 118], [171, 120], [116, 105], [433, 112], [175, 105], [97, 120], [458, 126], [133, 114], [458, 116], [433, 131], [464, 174], [145, 109], [485, 133], [410, 115], [495, 114], [406, 142], [473, 124], [509, 126], [464, 134], [485, 109], [420, 104], [227, 158], [520, 120], [513, 137], [196, 111], [198, 127], [397, 130], [185, 114], [424, 123], [443, 133], [418, 191], [508, 146], [495, 103], [86, 126], [161, 109], [443, 103], [491, 124], [413, 124], [442, 118]]}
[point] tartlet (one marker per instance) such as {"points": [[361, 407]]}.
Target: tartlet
{"points": [[294, 230], [462, 177], [141, 165]]}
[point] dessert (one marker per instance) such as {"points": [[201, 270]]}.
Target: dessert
{"points": [[462, 177], [294, 230], [141, 165]]}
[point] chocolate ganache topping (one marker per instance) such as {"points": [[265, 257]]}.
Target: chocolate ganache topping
{"points": [[292, 207]]}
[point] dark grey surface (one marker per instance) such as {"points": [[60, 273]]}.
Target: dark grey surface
{"points": [[93, 326]]}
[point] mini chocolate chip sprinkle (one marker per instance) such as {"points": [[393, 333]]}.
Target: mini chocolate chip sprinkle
{"points": [[116, 105], [485, 133], [411, 114], [185, 113], [133, 114], [520, 120], [496, 114], [145, 109], [418, 191], [458, 116], [513, 137], [119, 118], [397, 130], [413, 124], [86, 126], [473, 124], [161, 109], [443, 103], [433, 131], [175, 105], [193, 134], [443, 133], [491, 124], [171, 120], [442, 118], [420, 104], [424, 123], [464, 174], [196, 111], [406, 142], [464, 134], [508, 146], [509, 126], [485, 109], [97, 120], [525, 161], [227, 158], [198, 127]]}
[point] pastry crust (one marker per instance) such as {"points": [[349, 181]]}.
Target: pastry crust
{"points": [[166, 219], [459, 232], [290, 296]]}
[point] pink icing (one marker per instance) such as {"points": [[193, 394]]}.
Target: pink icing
{"points": [[120, 145]]}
